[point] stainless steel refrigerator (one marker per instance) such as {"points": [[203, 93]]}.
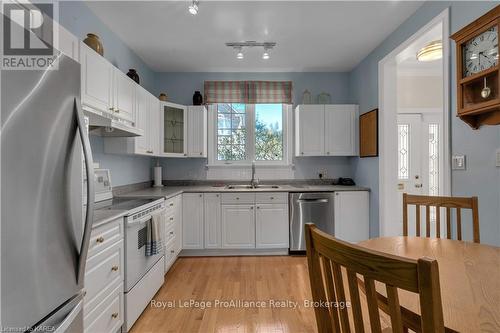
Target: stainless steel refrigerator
{"points": [[44, 229]]}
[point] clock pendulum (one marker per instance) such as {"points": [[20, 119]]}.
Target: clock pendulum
{"points": [[485, 93]]}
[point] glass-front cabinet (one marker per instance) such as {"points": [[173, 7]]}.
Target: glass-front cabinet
{"points": [[174, 129]]}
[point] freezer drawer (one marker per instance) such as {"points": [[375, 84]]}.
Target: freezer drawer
{"points": [[317, 208]]}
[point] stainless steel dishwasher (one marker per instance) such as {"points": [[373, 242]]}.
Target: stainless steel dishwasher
{"points": [[312, 207]]}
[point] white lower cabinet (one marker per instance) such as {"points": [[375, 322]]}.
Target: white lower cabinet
{"points": [[212, 220], [192, 221], [104, 274], [238, 226], [352, 215], [172, 237], [271, 223]]}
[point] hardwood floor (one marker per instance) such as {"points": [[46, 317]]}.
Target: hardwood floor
{"points": [[212, 279]]}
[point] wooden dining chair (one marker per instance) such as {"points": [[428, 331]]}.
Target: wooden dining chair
{"points": [[449, 203], [327, 257]]}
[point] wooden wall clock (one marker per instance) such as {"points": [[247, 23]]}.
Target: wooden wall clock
{"points": [[478, 79]]}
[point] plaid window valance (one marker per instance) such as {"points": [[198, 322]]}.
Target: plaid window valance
{"points": [[250, 92]]}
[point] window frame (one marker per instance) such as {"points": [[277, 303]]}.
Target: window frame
{"points": [[250, 139]]}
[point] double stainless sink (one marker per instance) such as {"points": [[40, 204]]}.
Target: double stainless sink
{"points": [[250, 187]]}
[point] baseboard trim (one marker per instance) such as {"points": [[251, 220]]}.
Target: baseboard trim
{"points": [[232, 252]]}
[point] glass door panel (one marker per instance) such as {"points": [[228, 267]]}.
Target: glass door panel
{"points": [[173, 133]]}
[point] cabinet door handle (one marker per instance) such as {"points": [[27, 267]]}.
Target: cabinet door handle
{"points": [[171, 204], [201, 153], [201, 195], [100, 240], [302, 153], [171, 219], [258, 207], [111, 109], [172, 251], [272, 198], [237, 198], [114, 315], [114, 268], [185, 154], [171, 232], [251, 208]]}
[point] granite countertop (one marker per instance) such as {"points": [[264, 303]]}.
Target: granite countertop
{"points": [[103, 216], [171, 191]]}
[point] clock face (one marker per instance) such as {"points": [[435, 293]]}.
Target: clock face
{"points": [[481, 52]]}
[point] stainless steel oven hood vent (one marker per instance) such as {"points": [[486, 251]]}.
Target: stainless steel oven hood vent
{"points": [[108, 125]]}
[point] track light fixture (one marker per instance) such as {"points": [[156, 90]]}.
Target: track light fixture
{"points": [[238, 46], [193, 7]]}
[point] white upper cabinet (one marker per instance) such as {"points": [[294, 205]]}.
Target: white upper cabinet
{"points": [[271, 223], [212, 220], [124, 96], [147, 116], [173, 129], [97, 81], [143, 122], [197, 131], [326, 130], [69, 44], [310, 130], [340, 130]]}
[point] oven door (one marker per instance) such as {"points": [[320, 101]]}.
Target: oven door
{"points": [[136, 261]]}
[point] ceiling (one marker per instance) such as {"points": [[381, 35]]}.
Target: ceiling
{"points": [[331, 36]]}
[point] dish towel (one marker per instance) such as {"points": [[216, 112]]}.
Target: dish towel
{"points": [[153, 232]]}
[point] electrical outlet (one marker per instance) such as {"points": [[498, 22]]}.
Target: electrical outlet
{"points": [[458, 162], [322, 174]]}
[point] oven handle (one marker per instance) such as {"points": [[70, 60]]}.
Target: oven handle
{"points": [[144, 218]]}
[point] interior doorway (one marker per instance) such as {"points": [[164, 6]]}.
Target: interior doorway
{"points": [[414, 122]]}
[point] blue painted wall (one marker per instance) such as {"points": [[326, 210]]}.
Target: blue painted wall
{"points": [[181, 86], [481, 178]]}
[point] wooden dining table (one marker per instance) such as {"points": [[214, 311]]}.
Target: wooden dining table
{"points": [[469, 275]]}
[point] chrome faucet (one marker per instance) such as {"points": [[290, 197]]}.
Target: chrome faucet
{"points": [[254, 182]]}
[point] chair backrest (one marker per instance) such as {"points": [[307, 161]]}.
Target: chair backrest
{"points": [[449, 203], [328, 257]]}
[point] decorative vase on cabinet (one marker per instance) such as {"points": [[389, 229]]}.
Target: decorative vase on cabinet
{"points": [[132, 73], [94, 43], [197, 98]]}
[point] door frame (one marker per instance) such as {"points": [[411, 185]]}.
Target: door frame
{"points": [[388, 123]]}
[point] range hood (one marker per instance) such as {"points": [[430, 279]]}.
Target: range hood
{"points": [[108, 125]]}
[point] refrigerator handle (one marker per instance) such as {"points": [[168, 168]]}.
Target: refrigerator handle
{"points": [[87, 152]]}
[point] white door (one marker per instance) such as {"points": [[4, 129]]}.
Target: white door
{"points": [[143, 116], [213, 217], [311, 134], [196, 133], [340, 130], [124, 96], [192, 221], [97, 80], [420, 160], [238, 226], [352, 216], [271, 223]]}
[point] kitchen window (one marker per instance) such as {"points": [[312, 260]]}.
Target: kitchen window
{"points": [[243, 133]]}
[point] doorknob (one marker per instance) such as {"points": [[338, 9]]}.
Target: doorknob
{"points": [[419, 185]]}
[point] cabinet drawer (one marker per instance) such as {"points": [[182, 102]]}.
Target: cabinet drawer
{"points": [[105, 235], [237, 198], [171, 219], [170, 256], [102, 269], [170, 235], [108, 315], [271, 197], [173, 205]]}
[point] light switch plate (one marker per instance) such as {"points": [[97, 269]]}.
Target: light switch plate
{"points": [[498, 157], [458, 162]]}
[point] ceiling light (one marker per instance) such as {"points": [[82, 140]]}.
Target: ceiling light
{"points": [[265, 55], [193, 7], [239, 55], [251, 43], [430, 52]]}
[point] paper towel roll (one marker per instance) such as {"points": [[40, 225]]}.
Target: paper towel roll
{"points": [[158, 176]]}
